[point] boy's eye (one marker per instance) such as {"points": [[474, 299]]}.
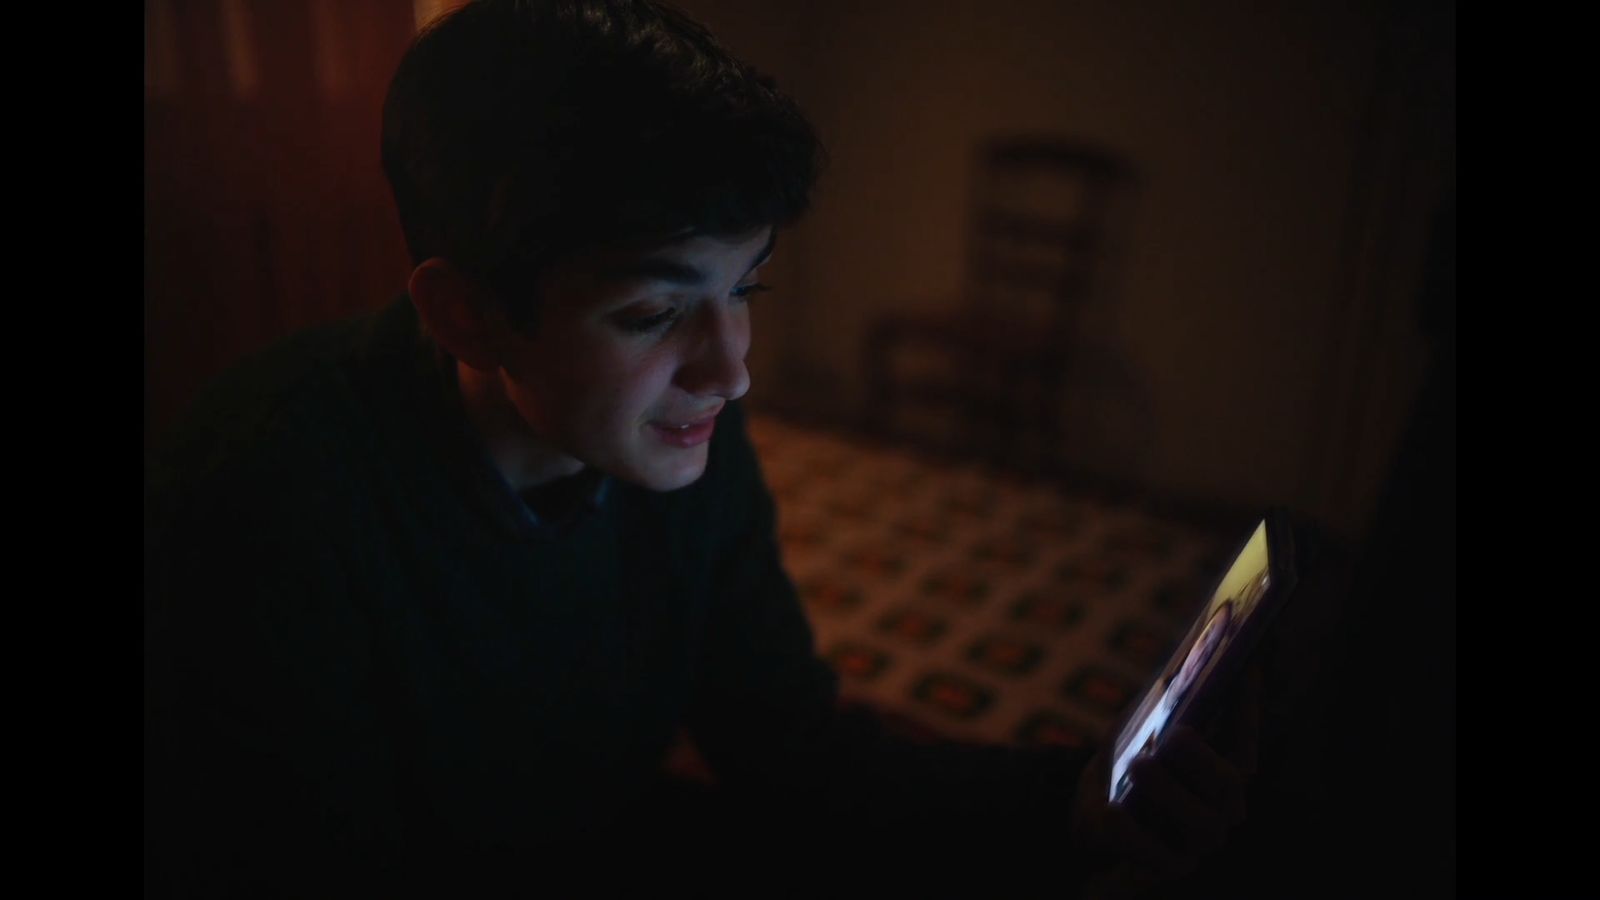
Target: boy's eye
{"points": [[648, 323], [663, 320], [746, 291]]}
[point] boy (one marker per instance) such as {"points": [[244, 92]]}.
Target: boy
{"points": [[444, 583]]}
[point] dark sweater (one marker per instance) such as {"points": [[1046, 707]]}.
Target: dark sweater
{"points": [[357, 636]]}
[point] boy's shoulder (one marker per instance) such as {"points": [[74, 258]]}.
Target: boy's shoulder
{"points": [[272, 422]]}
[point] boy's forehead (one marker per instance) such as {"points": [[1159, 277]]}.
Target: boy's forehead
{"points": [[689, 257], [692, 246]]}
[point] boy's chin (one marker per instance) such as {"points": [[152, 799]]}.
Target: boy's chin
{"points": [[673, 475]]}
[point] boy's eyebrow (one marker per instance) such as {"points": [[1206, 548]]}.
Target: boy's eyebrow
{"points": [[674, 272], [765, 254]]}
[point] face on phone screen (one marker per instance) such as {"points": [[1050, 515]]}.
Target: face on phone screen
{"points": [[1234, 601]]}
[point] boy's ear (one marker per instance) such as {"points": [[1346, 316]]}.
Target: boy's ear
{"points": [[461, 314]]}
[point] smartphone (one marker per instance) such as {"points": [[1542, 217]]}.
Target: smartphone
{"points": [[1213, 654]]}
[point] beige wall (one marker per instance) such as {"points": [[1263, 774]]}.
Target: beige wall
{"points": [[1246, 349]]}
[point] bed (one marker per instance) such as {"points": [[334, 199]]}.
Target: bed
{"points": [[966, 603]]}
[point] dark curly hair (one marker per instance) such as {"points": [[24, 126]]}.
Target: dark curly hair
{"points": [[518, 132]]}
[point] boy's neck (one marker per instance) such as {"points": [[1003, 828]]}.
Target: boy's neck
{"points": [[524, 460]]}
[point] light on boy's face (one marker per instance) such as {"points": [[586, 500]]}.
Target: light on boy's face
{"points": [[637, 351]]}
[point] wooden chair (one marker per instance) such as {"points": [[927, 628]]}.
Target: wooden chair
{"points": [[992, 370]]}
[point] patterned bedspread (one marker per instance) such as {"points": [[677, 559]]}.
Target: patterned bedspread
{"points": [[974, 605]]}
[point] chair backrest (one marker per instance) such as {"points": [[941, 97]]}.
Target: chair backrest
{"points": [[1038, 221]]}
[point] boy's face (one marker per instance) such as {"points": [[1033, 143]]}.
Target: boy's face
{"points": [[631, 346]]}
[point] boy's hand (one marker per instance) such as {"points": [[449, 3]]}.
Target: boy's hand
{"points": [[1184, 800]]}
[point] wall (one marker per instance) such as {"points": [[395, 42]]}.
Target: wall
{"points": [[1256, 343]]}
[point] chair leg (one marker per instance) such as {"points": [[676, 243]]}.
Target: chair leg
{"points": [[876, 417], [1047, 447]]}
